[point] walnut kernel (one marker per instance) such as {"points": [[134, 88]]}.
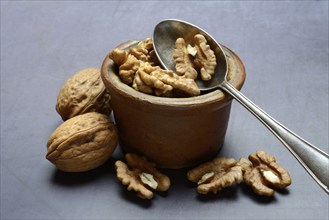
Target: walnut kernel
{"points": [[128, 69], [118, 56], [141, 176], [262, 173], [206, 59], [145, 74], [184, 63], [189, 60], [215, 175]]}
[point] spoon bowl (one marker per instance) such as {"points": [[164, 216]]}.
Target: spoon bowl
{"points": [[164, 37], [313, 160]]}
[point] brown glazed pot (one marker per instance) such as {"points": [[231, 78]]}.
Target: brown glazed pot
{"points": [[172, 132]]}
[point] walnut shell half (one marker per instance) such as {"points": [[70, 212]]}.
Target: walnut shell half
{"points": [[83, 92], [82, 143]]}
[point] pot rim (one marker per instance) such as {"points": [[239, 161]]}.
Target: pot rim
{"points": [[111, 79]]}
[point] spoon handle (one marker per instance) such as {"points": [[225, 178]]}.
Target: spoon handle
{"points": [[314, 160]]}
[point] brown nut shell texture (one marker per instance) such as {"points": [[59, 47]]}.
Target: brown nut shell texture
{"points": [[141, 176], [215, 175], [263, 173], [83, 92], [82, 143]]}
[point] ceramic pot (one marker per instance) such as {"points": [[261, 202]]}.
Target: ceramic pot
{"points": [[172, 132]]}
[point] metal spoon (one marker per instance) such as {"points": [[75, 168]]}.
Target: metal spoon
{"points": [[314, 160]]}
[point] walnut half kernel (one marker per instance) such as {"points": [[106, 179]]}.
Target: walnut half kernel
{"points": [[263, 174], [141, 176], [215, 175], [191, 60]]}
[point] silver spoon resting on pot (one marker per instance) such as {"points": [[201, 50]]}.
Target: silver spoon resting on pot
{"points": [[314, 160]]}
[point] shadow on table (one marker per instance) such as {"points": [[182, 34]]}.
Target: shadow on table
{"points": [[76, 179], [247, 191], [133, 198]]}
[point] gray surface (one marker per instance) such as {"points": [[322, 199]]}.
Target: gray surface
{"points": [[284, 45]]}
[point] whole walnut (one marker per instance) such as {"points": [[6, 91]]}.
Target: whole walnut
{"points": [[82, 143], [83, 92]]}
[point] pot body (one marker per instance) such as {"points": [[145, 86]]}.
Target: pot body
{"points": [[172, 132]]}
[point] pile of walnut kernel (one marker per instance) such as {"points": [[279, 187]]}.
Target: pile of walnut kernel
{"points": [[139, 67], [261, 172]]}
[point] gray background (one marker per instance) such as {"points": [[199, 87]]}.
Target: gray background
{"points": [[283, 44]]}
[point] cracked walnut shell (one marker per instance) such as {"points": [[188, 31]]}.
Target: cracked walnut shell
{"points": [[141, 176], [82, 143], [215, 175], [83, 92], [262, 173]]}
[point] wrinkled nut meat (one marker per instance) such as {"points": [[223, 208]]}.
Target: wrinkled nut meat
{"points": [[83, 92], [139, 68], [205, 58], [82, 143], [189, 60], [215, 175], [182, 56], [141, 176], [151, 81], [262, 173]]}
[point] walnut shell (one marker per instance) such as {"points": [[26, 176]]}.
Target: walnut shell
{"points": [[83, 92], [82, 143]]}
